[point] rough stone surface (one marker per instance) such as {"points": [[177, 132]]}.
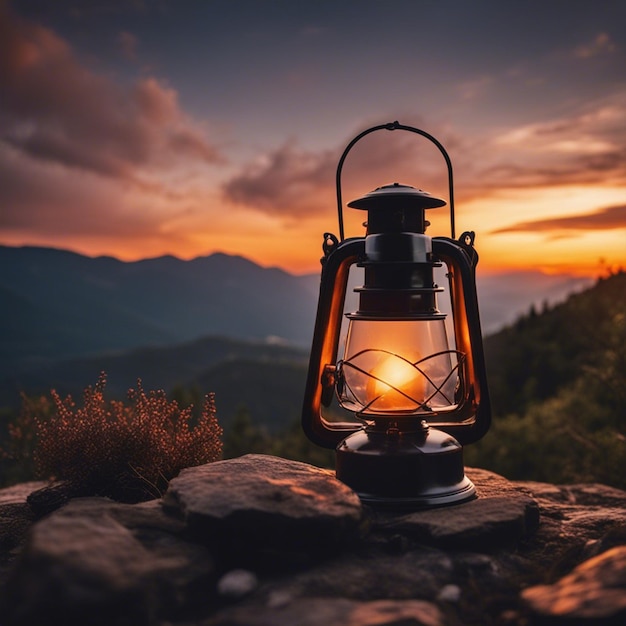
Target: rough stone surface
{"points": [[82, 565], [503, 514], [315, 611], [262, 500], [16, 516], [260, 540], [237, 583], [488, 523], [594, 591], [17, 494]]}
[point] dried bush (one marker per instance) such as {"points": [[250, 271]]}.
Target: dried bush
{"points": [[127, 451]]}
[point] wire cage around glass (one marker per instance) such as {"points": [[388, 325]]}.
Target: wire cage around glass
{"points": [[398, 369]]}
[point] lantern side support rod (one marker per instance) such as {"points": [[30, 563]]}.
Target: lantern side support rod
{"points": [[394, 126]]}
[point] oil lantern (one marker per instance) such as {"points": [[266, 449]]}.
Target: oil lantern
{"points": [[416, 390]]}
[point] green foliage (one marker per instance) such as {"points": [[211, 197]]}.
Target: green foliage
{"points": [[17, 449], [127, 451], [568, 438], [245, 437], [559, 386], [541, 353], [271, 387]]}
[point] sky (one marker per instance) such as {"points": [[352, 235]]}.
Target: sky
{"points": [[137, 128]]}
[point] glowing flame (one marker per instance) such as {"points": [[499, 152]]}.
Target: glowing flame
{"points": [[395, 384]]}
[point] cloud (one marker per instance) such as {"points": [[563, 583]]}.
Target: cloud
{"points": [[586, 147], [601, 44], [607, 218], [597, 128], [84, 158], [56, 110], [286, 180], [128, 45], [291, 182], [62, 204], [474, 88]]}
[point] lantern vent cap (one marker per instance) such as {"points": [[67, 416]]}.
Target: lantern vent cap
{"points": [[397, 196]]}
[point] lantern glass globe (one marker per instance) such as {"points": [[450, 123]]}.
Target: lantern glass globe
{"points": [[398, 367]]}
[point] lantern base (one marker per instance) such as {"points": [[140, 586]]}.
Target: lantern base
{"points": [[404, 470]]}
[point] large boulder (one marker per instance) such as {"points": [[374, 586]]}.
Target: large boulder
{"points": [[264, 502], [102, 563], [594, 593], [331, 611]]}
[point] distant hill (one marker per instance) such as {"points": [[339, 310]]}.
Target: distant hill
{"points": [[557, 379], [505, 297], [549, 348], [217, 323], [267, 379], [58, 304]]}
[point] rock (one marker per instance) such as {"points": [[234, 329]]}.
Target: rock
{"points": [[81, 565], [449, 593], [18, 494], [502, 515], [51, 497], [595, 592], [484, 524], [327, 611], [577, 522], [16, 516], [588, 494], [489, 484], [260, 540], [237, 583], [15, 520], [417, 574], [258, 501]]}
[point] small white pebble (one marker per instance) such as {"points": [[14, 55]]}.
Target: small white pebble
{"points": [[449, 593], [237, 583]]}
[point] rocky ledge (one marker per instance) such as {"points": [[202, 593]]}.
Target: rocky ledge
{"points": [[263, 541]]}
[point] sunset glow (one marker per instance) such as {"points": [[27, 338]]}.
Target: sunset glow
{"points": [[551, 229], [196, 128]]}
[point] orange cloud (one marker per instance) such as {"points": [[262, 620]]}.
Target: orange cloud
{"points": [[56, 110], [287, 181], [588, 147], [291, 182], [604, 219], [85, 159]]}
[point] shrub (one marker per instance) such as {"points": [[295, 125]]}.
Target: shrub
{"points": [[127, 451]]}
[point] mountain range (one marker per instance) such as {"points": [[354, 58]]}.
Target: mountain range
{"points": [[66, 317], [59, 304]]}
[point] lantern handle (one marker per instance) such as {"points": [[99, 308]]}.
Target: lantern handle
{"points": [[394, 126]]}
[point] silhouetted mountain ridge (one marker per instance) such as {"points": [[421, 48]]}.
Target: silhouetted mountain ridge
{"points": [[62, 304], [66, 317]]}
